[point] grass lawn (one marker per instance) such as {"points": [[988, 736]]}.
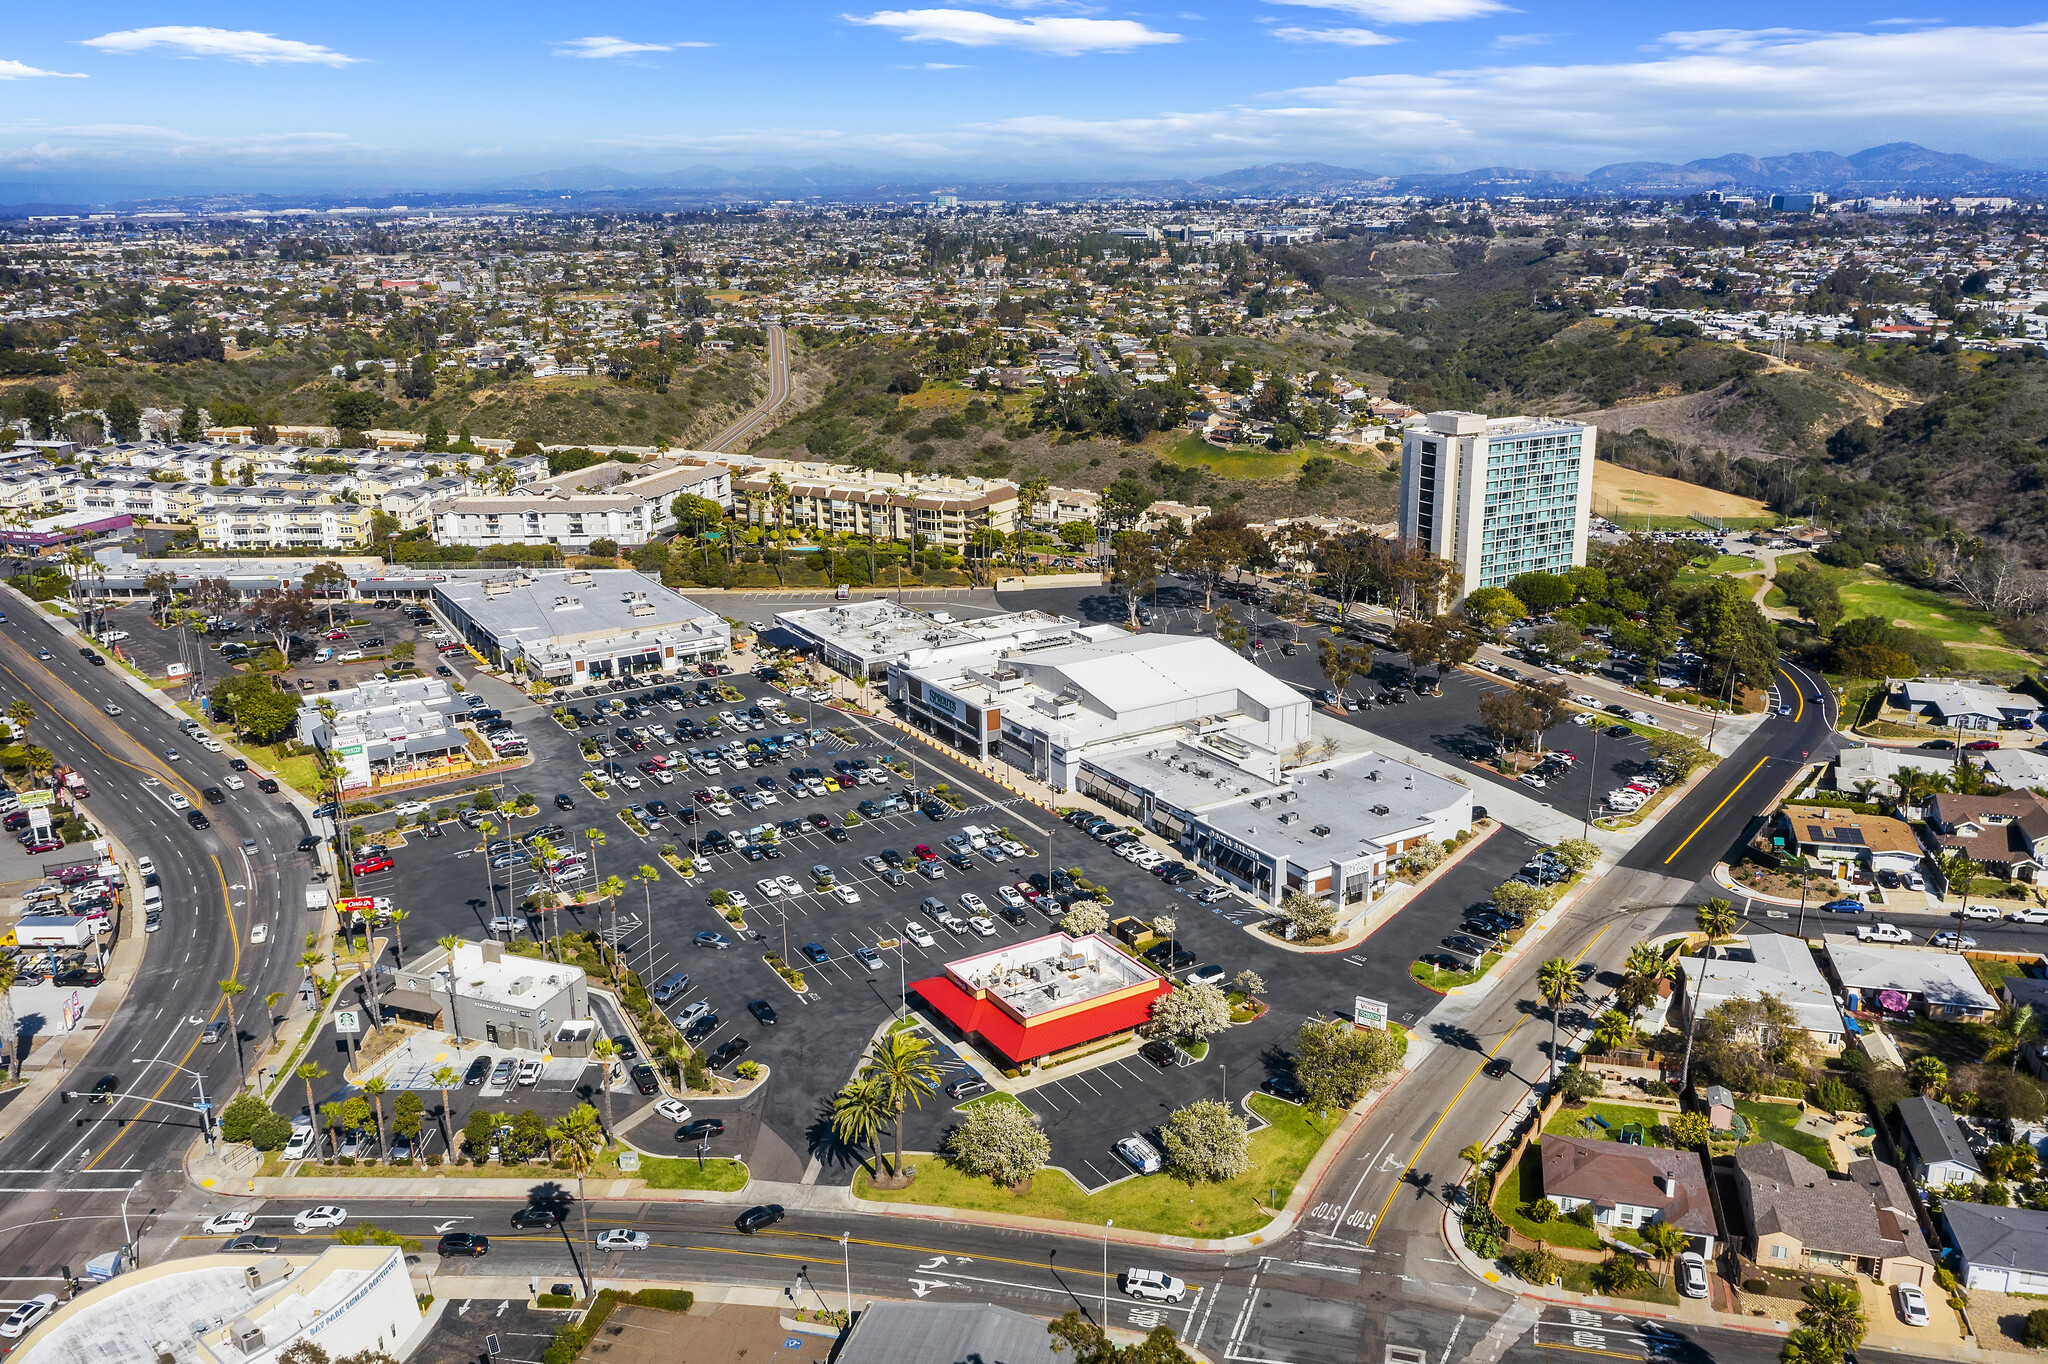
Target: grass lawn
{"points": [[1157, 1203], [997, 1098], [1738, 564], [670, 1172], [1579, 1278], [1438, 979], [302, 774], [1993, 973], [1565, 1122], [1522, 1185], [1779, 1123], [1250, 461], [1970, 632]]}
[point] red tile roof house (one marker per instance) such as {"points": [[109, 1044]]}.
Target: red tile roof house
{"points": [[1630, 1186]]}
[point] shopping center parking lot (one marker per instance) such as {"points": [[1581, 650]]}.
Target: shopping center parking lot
{"points": [[152, 648], [819, 1034]]}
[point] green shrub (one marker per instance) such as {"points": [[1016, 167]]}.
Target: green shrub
{"points": [[1621, 1275], [1583, 1215], [1539, 1212], [2036, 1331]]}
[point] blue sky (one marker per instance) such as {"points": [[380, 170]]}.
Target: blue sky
{"points": [[468, 92]]}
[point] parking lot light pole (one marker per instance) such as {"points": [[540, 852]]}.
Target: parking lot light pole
{"points": [[846, 1263]]}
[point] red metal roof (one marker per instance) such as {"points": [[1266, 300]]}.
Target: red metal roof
{"points": [[1019, 1042]]}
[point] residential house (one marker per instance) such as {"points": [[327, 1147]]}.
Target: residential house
{"points": [[1881, 768], [1965, 705], [1790, 1214], [1847, 841], [1998, 1250], [1774, 964], [2008, 834], [1937, 1152], [1630, 1186], [1900, 980]]}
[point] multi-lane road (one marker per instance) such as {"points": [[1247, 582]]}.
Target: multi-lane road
{"points": [[67, 1169], [778, 394]]}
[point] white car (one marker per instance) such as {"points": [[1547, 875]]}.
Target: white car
{"points": [[2028, 916], [176, 800], [1154, 1286], [529, 1073], [630, 780], [1692, 1274], [23, 1319], [228, 1223], [983, 925], [300, 1143], [1882, 932], [766, 885], [320, 1218], [618, 1238], [506, 923], [1010, 896], [675, 1110], [260, 933], [146, 865], [972, 903], [1912, 1305], [1986, 913], [789, 885], [410, 807], [919, 934], [846, 895], [1140, 1155]]}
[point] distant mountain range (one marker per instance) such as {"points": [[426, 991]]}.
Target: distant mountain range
{"points": [[1895, 168]]}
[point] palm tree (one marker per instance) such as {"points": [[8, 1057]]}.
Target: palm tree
{"points": [[375, 1087], [1716, 919], [450, 942], [1555, 982], [1647, 966], [647, 876], [1614, 1030], [270, 1003], [229, 988], [858, 1112], [9, 967], [309, 1071], [1666, 1240], [1474, 1155], [1835, 1310], [445, 1079], [578, 1139], [605, 1049], [398, 918], [677, 1054], [2014, 1027], [23, 715], [610, 888], [901, 1063]]}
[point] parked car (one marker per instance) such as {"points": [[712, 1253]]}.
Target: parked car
{"points": [[1140, 1155], [1154, 1285]]}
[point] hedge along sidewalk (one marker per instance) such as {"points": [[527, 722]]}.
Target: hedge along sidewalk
{"points": [[1390, 904]]}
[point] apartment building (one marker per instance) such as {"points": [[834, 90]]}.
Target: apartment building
{"points": [[836, 500], [1498, 496], [553, 519], [264, 519]]}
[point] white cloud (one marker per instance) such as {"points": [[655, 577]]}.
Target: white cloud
{"points": [[1406, 11], [936, 66], [21, 71], [260, 49], [1884, 22], [145, 144], [606, 46], [1342, 37], [1511, 42], [473, 152], [1058, 37]]}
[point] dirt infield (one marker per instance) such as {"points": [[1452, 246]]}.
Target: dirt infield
{"points": [[1616, 489]]}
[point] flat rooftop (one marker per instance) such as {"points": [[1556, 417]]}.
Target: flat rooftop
{"points": [[512, 981], [1053, 972], [879, 628], [574, 604]]}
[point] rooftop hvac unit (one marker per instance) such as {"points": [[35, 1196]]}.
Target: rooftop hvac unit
{"points": [[1073, 961], [1037, 970], [1380, 809], [247, 1335], [1291, 817], [1326, 774], [268, 1272], [640, 608], [496, 589], [1054, 988], [1321, 831], [1373, 775]]}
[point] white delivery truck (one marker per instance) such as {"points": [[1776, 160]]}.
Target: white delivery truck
{"points": [[53, 930], [316, 898]]}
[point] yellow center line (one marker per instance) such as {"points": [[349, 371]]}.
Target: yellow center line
{"points": [[1718, 808], [1584, 1350], [1797, 691], [1430, 1135]]}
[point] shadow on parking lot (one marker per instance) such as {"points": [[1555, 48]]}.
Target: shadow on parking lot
{"points": [[826, 1147]]}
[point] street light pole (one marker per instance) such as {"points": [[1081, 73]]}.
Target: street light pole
{"points": [[1105, 1273], [846, 1263]]}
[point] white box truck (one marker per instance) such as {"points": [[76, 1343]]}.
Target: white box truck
{"points": [[53, 930]]}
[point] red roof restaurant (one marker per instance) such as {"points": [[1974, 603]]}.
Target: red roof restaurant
{"points": [[1046, 995]]}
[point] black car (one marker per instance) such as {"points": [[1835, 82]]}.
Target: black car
{"points": [[1283, 1088], [563, 802], [1161, 1053], [623, 1048], [836, 834], [701, 1128], [1170, 958], [432, 829], [728, 1053], [1498, 1067], [197, 819], [104, 1088], [763, 1012], [267, 785], [535, 1216], [468, 1244], [479, 1071], [215, 796], [754, 1219], [644, 1079]]}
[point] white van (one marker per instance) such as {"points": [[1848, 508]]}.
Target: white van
{"points": [[152, 899], [976, 837]]}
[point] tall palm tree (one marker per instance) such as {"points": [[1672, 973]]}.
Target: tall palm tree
{"points": [[1835, 1310], [578, 1139], [450, 942], [611, 887], [1475, 1154], [309, 1071], [398, 918], [1555, 982], [229, 988], [23, 715], [647, 876], [9, 968], [1646, 968], [445, 1079], [605, 1049], [858, 1112], [677, 1054], [901, 1062], [1716, 918], [375, 1087], [270, 1003]]}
